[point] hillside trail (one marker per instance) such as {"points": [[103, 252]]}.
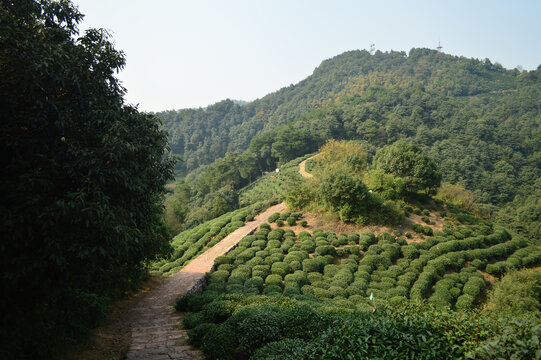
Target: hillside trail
{"points": [[156, 330], [302, 168]]}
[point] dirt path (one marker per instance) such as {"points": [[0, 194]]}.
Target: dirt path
{"points": [[302, 169], [156, 328]]}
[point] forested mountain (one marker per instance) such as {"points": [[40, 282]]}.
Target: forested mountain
{"points": [[479, 121], [200, 136]]}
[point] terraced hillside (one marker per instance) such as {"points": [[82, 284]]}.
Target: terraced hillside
{"points": [[447, 269], [292, 291]]}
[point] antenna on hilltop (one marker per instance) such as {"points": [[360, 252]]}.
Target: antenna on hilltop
{"points": [[372, 48], [439, 47]]}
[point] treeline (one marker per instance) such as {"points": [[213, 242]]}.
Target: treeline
{"points": [[213, 190], [478, 121], [200, 136]]}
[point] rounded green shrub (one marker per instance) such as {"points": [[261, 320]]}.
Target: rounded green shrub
{"points": [[308, 246], [224, 259], [314, 276], [272, 289], [285, 215], [273, 217], [325, 250], [280, 268], [197, 333], [274, 279], [261, 270], [256, 282], [312, 266], [464, 302]]}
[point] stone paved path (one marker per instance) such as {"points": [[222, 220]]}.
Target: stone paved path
{"points": [[156, 329]]}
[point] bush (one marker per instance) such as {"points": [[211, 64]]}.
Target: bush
{"points": [[276, 234], [261, 270], [307, 290], [191, 320], [303, 223], [274, 279], [330, 270], [519, 339], [279, 223], [518, 292], [198, 332], [464, 302], [255, 282], [224, 259], [255, 327], [291, 290], [308, 246], [473, 286], [418, 228], [280, 268], [325, 250], [291, 221], [287, 349], [285, 215], [272, 289], [314, 276], [193, 302], [497, 268], [218, 311], [220, 342], [273, 217], [264, 227], [295, 265]]}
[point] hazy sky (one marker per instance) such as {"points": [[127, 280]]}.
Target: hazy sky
{"points": [[194, 53]]}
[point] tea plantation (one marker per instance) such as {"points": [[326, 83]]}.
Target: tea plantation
{"points": [[446, 269], [322, 295], [191, 243]]}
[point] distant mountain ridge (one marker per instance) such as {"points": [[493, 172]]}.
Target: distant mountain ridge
{"points": [[200, 136]]}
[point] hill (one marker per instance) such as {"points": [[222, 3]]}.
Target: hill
{"points": [[479, 121], [426, 287], [202, 135]]}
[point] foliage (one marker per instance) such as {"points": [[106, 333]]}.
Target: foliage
{"points": [[346, 194], [407, 161], [82, 181], [457, 196], [278, 328], [518, 292], [190, 243], [519, 339], [350, 156]]}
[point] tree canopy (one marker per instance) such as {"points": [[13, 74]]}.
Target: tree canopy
{"points": [[407, 161], [82, 177]]}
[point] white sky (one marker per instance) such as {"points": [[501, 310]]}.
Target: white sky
{"points": [[194, 53]]}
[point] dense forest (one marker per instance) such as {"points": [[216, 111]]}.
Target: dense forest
{"points": [[478, 121]]}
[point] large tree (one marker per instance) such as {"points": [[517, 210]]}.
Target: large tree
{"points": [[82, 177], [407, 161]]}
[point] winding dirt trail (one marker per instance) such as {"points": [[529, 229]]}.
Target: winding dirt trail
{"points": [[156, 331], [302, 169]]}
